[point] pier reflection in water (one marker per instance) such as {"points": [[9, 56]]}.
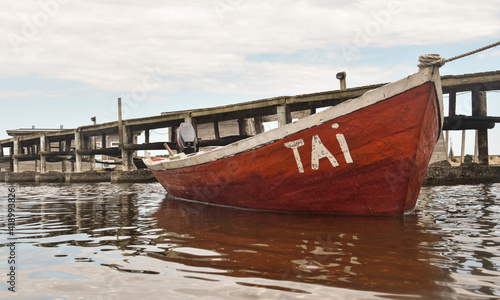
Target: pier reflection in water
{"points": [[126, 241]]}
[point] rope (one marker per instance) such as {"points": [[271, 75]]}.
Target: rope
{"points": [[473, 52], [429, 60]]}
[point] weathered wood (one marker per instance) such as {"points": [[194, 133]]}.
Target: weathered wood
{"points": [[170, 152]]}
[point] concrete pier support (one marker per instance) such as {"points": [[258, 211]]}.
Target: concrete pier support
{"points": [[43, 158], [103, 141], [462, 149], [63, 165], [16, 150], [127, 155], [127, 161], [123, 136], [284, 115], [242, 126], [146, 136], [78, 156], [258, 125], [171, 133], [479, 109], [216, 129], [65, 146], [92, 157]]}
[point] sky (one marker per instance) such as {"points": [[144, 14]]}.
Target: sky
{"points": [[65, 61]]}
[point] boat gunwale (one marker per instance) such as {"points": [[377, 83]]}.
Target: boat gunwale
{"points": [[367, 99]]}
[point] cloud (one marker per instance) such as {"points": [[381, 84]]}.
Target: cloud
{"points": [[206, 46]]}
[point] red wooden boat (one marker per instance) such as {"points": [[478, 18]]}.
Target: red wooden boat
{"points": [[367, 155]]}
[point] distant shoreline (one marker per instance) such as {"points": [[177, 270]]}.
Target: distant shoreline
{"points": [[437, 174]]}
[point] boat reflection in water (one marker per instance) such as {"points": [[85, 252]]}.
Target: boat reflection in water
{"points": [[381, 254]]}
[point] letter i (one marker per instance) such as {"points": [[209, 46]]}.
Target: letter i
{"points": [[343, 145], [345, 148]]}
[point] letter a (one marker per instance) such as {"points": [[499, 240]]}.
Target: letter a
{"points": [[319, 151]]}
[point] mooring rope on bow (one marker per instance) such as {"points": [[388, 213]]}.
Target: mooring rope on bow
{"points": [[429, 60]]}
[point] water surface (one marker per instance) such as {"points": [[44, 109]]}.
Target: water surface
{"points": [[131, 241]]}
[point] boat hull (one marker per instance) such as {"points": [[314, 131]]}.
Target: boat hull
{"points": [[370, 161]]}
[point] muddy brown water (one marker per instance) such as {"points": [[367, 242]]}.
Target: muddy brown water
{"points": [[131, 241]]}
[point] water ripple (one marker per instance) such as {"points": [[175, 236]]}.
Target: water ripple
{"points": [[125, 238]]}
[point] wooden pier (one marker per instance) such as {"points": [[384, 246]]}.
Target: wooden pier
{"points": [[222, 125]]}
